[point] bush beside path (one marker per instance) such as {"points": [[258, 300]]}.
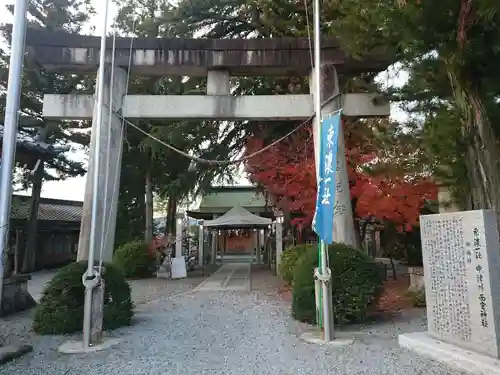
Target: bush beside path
{"points": [[230, 333], [17, 329]]}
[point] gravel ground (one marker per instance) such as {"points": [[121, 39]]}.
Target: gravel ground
{"points": [[143, 291], [16, 329], [228, 333]]}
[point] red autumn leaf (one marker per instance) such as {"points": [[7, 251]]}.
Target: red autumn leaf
{"points": [[287, 174]]}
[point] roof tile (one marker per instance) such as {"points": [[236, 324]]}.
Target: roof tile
{"points": [[49, 209]]}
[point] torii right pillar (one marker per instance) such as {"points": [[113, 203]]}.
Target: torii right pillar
{"points": [[353, 105]]}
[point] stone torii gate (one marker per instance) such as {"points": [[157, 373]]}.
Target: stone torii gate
{"points": [[215, 59]]}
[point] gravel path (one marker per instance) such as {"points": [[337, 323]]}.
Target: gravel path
{"points": [[221, 333], [16, 329], [143, 291]]}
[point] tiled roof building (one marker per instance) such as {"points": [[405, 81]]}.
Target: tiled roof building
{"points": [[49, 209]]}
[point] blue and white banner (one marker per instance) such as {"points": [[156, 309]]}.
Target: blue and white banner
{"points": [[325, 200]]}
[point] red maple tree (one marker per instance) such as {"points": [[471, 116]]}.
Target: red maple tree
{"points": [[380, 188]]}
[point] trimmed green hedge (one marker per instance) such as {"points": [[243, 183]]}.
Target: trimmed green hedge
{"points": [[134, 260], [289, 259], [356, 284], [61, 307]]}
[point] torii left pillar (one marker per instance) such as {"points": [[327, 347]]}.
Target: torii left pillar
{"points": [[110, 160]]}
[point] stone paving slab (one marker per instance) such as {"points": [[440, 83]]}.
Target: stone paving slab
{"points": [[228, 333], [230, 277]]}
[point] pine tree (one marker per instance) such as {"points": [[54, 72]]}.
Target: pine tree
{"points": [[68, 15], [457, 97], [165, 172]]}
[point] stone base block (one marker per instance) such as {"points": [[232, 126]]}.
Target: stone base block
{"points": [[76, 347], [316, 337], [451, 355], [163, 275], [163, 272], [15, 295], [417, 278], [178, 268]]}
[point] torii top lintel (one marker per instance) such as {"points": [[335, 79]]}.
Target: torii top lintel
{"points": [[60, 51]]}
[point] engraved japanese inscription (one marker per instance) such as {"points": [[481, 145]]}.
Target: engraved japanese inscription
{"points": [[445, 246], [459, 249]]}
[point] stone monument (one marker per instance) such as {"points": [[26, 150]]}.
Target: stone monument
{"points": [[462, 282]]}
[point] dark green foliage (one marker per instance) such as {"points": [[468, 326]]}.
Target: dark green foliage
{"points": [[131, 215], [61, 308], [61, 15], [134, 260], [402, 246], [356, 284], [414, 249], [417, 296], [449, 51], [169, 172], [289, 259]]}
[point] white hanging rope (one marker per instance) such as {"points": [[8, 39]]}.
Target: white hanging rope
{"points": [[224, 162], [242, 159], [173, 148]]}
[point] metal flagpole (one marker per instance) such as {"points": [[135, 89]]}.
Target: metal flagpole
{"points": [[91, 279], [11, 124], [325, 283]]}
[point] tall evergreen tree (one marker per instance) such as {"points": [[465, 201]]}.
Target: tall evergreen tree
{"points": [[71, 16], [165, 172], [462, 39], [449, 48]]}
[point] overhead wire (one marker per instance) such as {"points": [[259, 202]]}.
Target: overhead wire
{"points": [[224, 162], [244, 158], [173, 148], [183, 153]]}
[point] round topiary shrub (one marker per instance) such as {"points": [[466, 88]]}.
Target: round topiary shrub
{"points": [[356, 284], [134, 259], [289, 258], [60, 310]]}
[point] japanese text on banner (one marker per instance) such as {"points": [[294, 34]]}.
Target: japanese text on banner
{"points": [[327, 185]]}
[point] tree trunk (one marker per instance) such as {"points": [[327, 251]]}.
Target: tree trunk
{"points": [[357, 227], [393, 267], [169, 208], [32, 230], [483, 158], [148, 234], [363, 229], [287, 221], [170, 222]]}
